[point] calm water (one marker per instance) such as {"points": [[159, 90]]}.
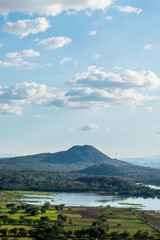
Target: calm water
{"points": [[92, 200]]}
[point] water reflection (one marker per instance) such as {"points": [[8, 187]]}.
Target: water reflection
{"points": [[93, 200]]}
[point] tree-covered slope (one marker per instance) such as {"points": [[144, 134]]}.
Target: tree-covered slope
{"points": [[102, 169]]}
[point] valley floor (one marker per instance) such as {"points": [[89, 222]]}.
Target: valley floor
{"points": [[118, 220]]}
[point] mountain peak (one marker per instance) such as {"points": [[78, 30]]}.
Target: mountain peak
{"points": [[82, 147]]}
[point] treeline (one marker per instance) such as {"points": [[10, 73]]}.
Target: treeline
{"points": [[40, 182]]}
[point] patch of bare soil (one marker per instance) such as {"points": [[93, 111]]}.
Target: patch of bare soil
{"points": [[93, 213], [150, 218]]}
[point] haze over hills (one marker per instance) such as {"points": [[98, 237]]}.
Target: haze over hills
{"points": [[73, 159], [153, 162], [8, 155]]}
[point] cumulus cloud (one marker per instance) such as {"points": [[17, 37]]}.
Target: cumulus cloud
{"points": [[23, 28], [78, 98], [128, 9], [6, 109], [87, 98], [12, 98], [20, 63], [93, 89], [55, 42], [22, 54], [92, 33], [28, 93], [89, 127], [128, 79], [18, 59], [51, 8], [63, 60]]}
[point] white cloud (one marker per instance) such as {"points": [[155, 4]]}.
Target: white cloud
{"points": [[87, 98], [63, 60], [149, 46], [6, 109], [128, 79], [89, 127], [23, 54], [1, 44], [55, 42], [128, 9], [25, 93], [6, 64], [93, 89], [18, 59], [20, 63], [96, 56], [13, 98], [109, 17], [23, 28], [51, 7], [92, 33]]}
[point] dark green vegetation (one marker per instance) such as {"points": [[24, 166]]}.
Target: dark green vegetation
{"points": [[22, 221], [102, 169], [86, 158], [51, 181]]}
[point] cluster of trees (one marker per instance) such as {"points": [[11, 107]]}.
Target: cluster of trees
{"points": [[29, 209], [20, 232], [111, 185], [47, 231]]}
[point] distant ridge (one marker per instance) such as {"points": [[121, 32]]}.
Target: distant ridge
{"points": [[153, 162], [73, 159]]}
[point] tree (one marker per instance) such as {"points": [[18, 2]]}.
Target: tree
{"points": [[14, 231]]}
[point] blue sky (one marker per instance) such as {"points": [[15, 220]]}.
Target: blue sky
{"points": [[80, 72]]}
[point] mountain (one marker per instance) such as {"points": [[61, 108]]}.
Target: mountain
{"points": [[73, 159], [102, 169], [77, 157]]}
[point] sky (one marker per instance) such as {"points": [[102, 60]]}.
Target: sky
{"points": [[80, 72]]}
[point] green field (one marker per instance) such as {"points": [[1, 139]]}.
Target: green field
{"points": [[118, 219]]}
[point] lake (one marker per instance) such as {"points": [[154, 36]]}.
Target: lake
{"points": [[92, 200]]}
